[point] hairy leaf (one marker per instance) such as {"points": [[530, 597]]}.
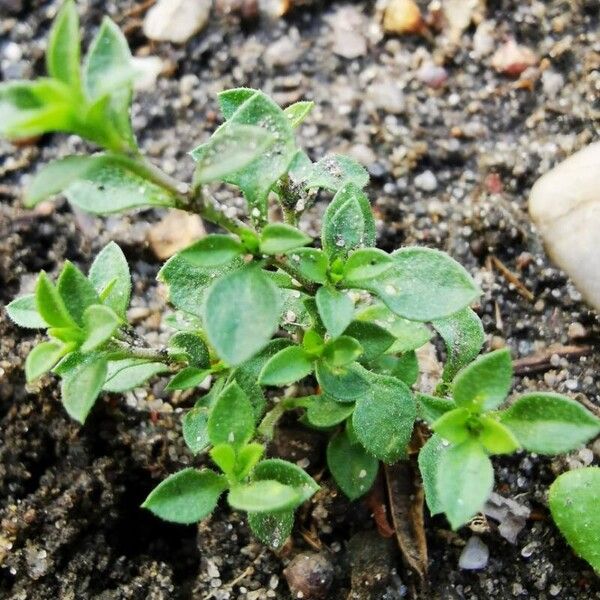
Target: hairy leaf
{"points": [[24, 313], [231, 419], [63, 53], [195, 429], [345, 384], [212, 251], [187, 496], [463, 335], [279, 238], [485, 383], [100, 323], [287, 366], [310, 263], [42, 358], [549, 423], [352, 468], [241, 314], [272, 528], [298, 111], [348, 223], [129, 373], [334, 171], [324, 411], [50, 305], [286, 473], [263, 496], [431, 408], [230, 149], [424, 285], [465, 481], [429, 462], [573, 501], [187, 378], [336, 310], [109, 274], [383, 419]]}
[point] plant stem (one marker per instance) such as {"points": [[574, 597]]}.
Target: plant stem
{"points": [[284, 265]]}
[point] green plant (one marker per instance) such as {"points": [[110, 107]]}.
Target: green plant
{"points": [[573, 503], [260, 306]]}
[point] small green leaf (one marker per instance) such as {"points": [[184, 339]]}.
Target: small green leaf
{"points": [[241, 314], [286, 473], [24, 313], [429, 461], [298, 111], [573, 501], [195, 429], [231, 100], [82, 383], [248, 373], [100, 323], [110, 268], [409, 335], [55, 177], [129, 373], [287, 366], [187, 285], [341, 351], [345, 384], [50, 305], [549, 423], [352, 468], [231, 148], [43, 358], [366, 263], [213, 250], [454, 425], [324, 411], [375, 340], [334, 171], [231, 419], [336, 310], [223, 455], [465, 481], [431, 408], [279, 238], [263, 496], [495, 437], [383, 419], [485, 383], [247, 459], [348, 223], [63, 53], [258, 177], [187, 496], [191, 347], [272, 528], [404, 367], [31, 108], [107, 76], [76, 291], [424, 285], [187, 378], [310, 263], [113, 183], [463, 335]]}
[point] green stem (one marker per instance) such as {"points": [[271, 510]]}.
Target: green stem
{"points": [[284, 265]]}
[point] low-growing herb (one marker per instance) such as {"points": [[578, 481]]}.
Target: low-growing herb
{"points": [[262, 305]]}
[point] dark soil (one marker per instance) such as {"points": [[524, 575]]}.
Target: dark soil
{"points": [[70, 522]]}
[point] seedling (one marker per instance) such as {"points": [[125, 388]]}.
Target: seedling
{"points": [[263, 305]]}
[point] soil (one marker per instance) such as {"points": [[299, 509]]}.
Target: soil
{"points": [[70, 522]]}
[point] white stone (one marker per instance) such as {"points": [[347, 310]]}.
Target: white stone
{"points": [[176, 20], [475, 555], [565, 206], [426, 181], [147, 69]]}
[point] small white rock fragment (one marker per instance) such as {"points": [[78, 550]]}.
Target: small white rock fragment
{"points": [[426, 181], [512, 58], [474, 556], [176, 20], [174, 232], [552, 83], [147, 68], [565, 206]]}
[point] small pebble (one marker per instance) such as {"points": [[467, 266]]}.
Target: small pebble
{"points": [[474, 556], [426, 181]]}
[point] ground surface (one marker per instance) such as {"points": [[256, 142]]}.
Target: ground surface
{"points": [[70, 526]]}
